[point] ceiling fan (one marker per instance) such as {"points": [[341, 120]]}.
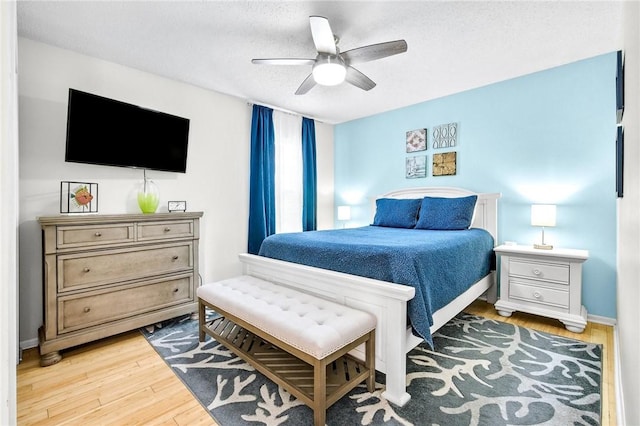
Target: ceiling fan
{"points": [[331, 67]]}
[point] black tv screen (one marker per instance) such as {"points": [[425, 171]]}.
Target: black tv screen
{"points": [[114, 133]]}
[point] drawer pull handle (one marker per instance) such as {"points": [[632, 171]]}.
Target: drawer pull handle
{"points": [[175, 290], [98, 234], [537, 295], [537, 271], [87, 310], [167, 229], [175, 258], [87, 269]]}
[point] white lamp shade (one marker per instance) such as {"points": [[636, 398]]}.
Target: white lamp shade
{"points": [[543, 215], [344, 212]]}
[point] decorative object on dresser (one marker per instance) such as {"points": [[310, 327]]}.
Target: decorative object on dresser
{"points": [[547, 283], [543, 215], [78, 197], [177, 206], [148, 196], [107, 274]]}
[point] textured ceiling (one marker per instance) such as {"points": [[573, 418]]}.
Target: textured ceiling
{"points": [[453, 46]]}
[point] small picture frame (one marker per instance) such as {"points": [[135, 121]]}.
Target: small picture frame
{"points": [[445, 135], [444, 164], [177, 206], [416, 167], [78, 197], [416, 140]]}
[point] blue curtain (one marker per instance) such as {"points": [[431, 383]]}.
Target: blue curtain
{"points": [[309, 190], [262, 200]]}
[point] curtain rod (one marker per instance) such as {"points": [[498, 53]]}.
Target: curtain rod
{"points": [[251, 103]]}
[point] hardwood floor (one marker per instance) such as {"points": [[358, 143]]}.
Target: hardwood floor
{"points": [[122, 380]]}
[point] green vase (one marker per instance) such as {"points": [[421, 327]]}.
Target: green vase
{"points": [[148, 197]]}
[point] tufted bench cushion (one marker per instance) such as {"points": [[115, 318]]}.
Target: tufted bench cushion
{"points": [[313, 325]]}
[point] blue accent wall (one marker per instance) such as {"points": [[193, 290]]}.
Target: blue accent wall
{"points": [[547, 137]]}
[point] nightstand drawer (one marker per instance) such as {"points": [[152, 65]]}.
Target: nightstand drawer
{"points": [[539, 270], [523, 290]]}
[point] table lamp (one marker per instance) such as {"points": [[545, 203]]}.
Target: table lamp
{"points": [[543, 215]]}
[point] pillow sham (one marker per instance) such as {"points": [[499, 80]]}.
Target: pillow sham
{"points": [[396, 213], [446, 213]]}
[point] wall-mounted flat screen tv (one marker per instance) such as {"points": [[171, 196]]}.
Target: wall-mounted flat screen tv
{"points": [[113, 133]]}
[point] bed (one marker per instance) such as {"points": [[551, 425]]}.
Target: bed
{"points": [[390, 302]]}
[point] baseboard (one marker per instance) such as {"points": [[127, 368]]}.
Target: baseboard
{"points": [[602, 320], [618, 379], [30, 343]]}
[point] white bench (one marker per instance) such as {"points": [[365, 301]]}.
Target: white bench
{"points": [[274, 328]]}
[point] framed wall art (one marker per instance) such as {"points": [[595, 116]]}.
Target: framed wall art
{"points": [[444, 164], [78, 197], [620, 162], [445, 135], [416, 140], [416, 167]]}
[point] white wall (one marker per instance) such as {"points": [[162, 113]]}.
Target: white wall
{"points": [[216, 182], [629, 226], [8, 212]]}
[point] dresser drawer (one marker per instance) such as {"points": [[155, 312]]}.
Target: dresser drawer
{"points": [[99, 307], [165, 230], [539, 270], [525, 291], [91, 269], [94, 235]]}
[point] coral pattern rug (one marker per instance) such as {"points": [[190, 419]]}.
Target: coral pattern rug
{"points": [[482, 372]]}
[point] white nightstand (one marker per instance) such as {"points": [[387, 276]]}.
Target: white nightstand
{"points": [[542, 282]]}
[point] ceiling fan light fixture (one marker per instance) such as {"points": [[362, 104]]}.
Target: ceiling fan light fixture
{"points": [[329, 70]]}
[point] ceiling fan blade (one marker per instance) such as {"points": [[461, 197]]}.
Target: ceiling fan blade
{"points": [[358, 79], [306, 85], [284, 61], [322, 35], [374, 51]]}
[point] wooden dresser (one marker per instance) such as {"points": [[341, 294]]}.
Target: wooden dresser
{"points": [[106, 274]]}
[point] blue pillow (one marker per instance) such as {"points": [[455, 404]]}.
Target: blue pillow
{"points": [[446, 213], [396, 213]]}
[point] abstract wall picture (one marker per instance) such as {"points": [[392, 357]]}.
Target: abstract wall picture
{"points": [[445, 135], [78, 197], [444, 164], [416, 167], [416, 140]]}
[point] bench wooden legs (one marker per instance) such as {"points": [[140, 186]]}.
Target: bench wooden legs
{"points": [[319, 393], [370, 360]]}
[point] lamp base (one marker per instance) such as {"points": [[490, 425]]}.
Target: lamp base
{"points": [[543, 246]]}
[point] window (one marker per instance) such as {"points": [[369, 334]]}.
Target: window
{"points": [[288, 173]]}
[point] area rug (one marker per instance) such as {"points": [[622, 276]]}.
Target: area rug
{"points": [[482, 372]]}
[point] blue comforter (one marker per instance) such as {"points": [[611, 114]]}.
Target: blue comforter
{"points": [[440, 265]]}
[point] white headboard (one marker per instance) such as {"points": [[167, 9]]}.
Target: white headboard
{"points": [[485, 216]]}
